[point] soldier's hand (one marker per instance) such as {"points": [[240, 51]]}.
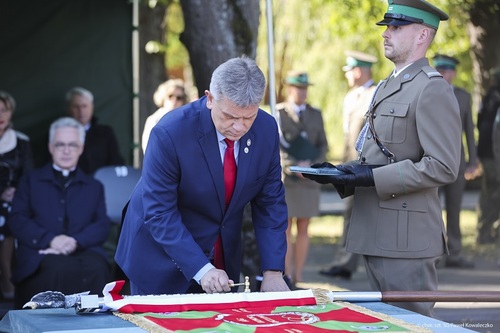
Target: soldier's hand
{"points": [[322, 179], [354, 175]]}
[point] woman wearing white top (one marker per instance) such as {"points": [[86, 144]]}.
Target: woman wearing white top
{"points": [[169, 95]]}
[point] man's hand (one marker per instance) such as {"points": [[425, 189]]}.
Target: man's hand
{"points": [[215, 281], [273, 281], [61, 244]]}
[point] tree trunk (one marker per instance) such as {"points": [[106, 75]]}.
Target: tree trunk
{"points": [[216, 31], [483, 29], [151, 65]]}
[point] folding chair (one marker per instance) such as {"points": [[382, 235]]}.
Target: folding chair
{"points": [[119, 182]]}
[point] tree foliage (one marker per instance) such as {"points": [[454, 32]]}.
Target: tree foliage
{"points": [[313, 35]]}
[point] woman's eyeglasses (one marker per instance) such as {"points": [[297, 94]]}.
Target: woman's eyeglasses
{"points": [[177, 97]]}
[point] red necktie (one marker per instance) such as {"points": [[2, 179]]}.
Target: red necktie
{"points": [[229, 170], [229, 182]]}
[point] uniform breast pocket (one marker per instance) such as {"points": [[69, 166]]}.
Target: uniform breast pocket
{"points": [[391, 122]]}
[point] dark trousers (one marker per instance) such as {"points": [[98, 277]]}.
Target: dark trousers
{"points": [[75, 273]]}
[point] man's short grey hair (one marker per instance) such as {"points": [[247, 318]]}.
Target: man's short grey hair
{"points": [[79, 91], [9, 101], [239, 80], [66, 122]]}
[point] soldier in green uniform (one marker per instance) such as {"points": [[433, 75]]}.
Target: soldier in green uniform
{"points": [[409, 147]]}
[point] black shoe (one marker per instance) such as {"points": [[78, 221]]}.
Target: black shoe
{"points": [[458, 262], [336, 271], [289, 282]]}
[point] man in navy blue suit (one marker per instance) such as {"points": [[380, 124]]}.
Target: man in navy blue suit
{"points": [[177, 211]]}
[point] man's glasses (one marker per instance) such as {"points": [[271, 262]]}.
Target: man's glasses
{"points": [[177, 97], [61, 146], [5, 110]]}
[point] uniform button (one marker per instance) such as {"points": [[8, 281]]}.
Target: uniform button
{"points": [[391, 111], [404, 205], [59, 219], [369, 136], [374, 115], [393, 195]]}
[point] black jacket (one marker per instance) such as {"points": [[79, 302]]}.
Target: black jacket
{"points": [[101, 148]]}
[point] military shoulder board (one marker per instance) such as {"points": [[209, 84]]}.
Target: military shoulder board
{"points": [[431, 72]]}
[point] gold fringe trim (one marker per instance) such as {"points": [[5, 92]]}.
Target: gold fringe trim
{"points": [[321, 296]]}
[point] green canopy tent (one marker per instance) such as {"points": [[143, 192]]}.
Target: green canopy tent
{"points": [[48, 47]]}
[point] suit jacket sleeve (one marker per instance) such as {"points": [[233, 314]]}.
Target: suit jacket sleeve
{"points": [[160, 200], [269, 215], [22, 223]]}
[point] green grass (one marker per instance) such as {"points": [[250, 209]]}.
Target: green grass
{"points": [[328, 230]]}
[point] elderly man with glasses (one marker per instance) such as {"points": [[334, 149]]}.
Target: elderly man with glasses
{"points": [[59, 219]]}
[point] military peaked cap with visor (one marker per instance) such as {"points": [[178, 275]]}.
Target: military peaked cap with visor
{"points": [[403, 12], [358, 59], [297, 79], [442, 61]]}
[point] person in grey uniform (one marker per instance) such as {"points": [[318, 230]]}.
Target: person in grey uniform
{"points": [[454, 192], [303, 141], [358, 73]]}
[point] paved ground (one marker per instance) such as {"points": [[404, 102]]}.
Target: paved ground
{"points": [[484, 277]]}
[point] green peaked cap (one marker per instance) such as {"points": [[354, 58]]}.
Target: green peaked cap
{"points": [[403, 12], [442, 61]]}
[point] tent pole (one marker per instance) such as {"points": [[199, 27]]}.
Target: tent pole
{"points": [[135, 83]]}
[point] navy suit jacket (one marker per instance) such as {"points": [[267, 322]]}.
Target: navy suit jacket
{"points": [[177, 209]]}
